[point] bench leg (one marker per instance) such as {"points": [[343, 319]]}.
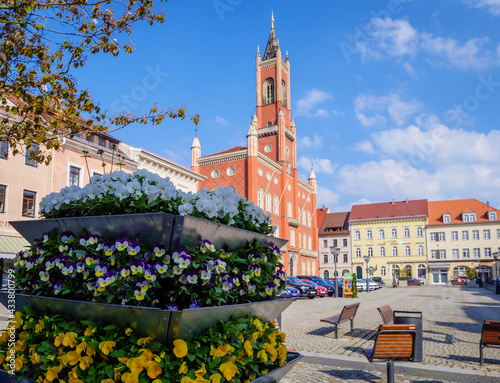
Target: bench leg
{"points": [[336, 335], [480, 355], [390, 372], [352, 324]]}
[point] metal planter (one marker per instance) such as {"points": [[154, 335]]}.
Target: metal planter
{"points": [[173, 231]]}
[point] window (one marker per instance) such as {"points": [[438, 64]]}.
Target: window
{"points": [[475, 234], [326, 274], [486, 234], [260, 198], [454, 235], [325, 258], [277, 232], [407, 232], [370, 271], [276, 206], [90, 138], [29, 150], [368, 234], [394, 233], [469, 217], [357, 235], [309, 243], [344, 256], [455, 253], [292, 237], [370, 251], [433, 236], [3, 190], [498, 233], [442, 254], [289, 208], [28, 204], [492, 215], [477, 253], [407, 250], [420, 250], [283, 92], [441, 236], [344, 242], [382, 271], [358, 252], [465, 253], [487, 252], [268, 201], [381, 251], [102, 142], [465, 235], [434, 254], [111, 145], [446, 218], [334, 243], [381, 234], [4, 149], [325, 243], [308, 218], [268, 91], [394, 251], [420, 232], [74, 176]]}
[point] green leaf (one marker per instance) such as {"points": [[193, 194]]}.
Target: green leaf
{"points": [[109, 371], [110, 327]]}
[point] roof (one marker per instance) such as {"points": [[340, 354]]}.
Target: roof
{"points": [[335, 223], [456, 207], [272, 46], [320, 214], [389, 210], [235, 149]]}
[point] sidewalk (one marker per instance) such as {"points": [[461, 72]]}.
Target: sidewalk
{"points": [[452, 320]]}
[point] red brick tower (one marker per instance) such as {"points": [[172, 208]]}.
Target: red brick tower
{"points": [[266, 170]]}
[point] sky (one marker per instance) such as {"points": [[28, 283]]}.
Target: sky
{"points": [[391, 99]]}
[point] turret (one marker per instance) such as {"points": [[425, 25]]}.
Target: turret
{"points": [[252, 137], [195, 152]]}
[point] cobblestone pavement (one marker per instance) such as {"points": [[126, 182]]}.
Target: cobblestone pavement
{"points": [[452, 320]]}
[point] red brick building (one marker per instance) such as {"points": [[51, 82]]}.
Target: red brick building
{"points": [[265, 171]]}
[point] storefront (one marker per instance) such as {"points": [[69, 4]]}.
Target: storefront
{"points": [[439, 273]]}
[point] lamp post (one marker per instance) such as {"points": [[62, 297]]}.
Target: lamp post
{"points": [[335, 252], [497, 282], [367, 259]]}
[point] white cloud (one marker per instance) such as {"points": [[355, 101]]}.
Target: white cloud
{"points": [[364, 146], [326, 197], [221, 120], [492, 6], [397, 38], [308, 106], [320, 165], [369, 109], [316, 142]]}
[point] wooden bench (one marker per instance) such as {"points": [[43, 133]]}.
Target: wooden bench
{"points": [[393, 342], [387, 313], [457, 283], [490, 336], [347, 313]]}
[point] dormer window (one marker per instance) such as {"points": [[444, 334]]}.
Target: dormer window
{"points": [[446, 218], [469, 217], [492, 215]]}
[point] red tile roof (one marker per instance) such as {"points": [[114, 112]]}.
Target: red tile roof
{"points": [[456, 207], [389, 210], [335, 224], [235, 149], [321, 213]]}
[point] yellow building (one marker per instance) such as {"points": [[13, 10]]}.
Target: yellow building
{"points": [[391, 237]]}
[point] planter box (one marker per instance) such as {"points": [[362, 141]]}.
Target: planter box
{"points": [[173, 231], [161, 325]]}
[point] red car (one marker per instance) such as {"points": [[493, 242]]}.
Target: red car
{"points": [[322, 291]]}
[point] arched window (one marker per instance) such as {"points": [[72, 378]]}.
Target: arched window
{"points": [[303, 267], [368, 234], [277, 232], [304, 241], [382, 251], [370, 251], [382, 271], [357, 235], [381, 234], [268, 201], [292, 266], [289, 208], [419, 232], [309, 242], [268, 91], [269, 123], [292, 237], [260, 197], [304, 217], [358, 252], [394, 251], [283, 92], [308, 218], [326, 274], [421, 272], [420, 250], [407, 232], [370, 271], [276, 206], [407, 250], [394, 233]]}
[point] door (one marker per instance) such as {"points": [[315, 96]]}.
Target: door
{"points": [[359, 272]]}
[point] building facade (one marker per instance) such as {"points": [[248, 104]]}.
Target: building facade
{"points": [[462, 234], [334, 231], [392, 237], [265, 171]]}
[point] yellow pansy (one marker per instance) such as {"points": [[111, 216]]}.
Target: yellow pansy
{"points": [[51, 373], [282, 351], [128, 331], [180, 348], [107, 381], [130, 377], [255, 336], [71, 358], [20, 361], [146, 354], [201, 371], [89, 331], [265, 372], [81, 347], [199, 379], [90, 351], [282, 336], [73, 374], [58, 340], [85, 362], [271, 350], [215, 378], [157, 381], [144, 341], [107, 347], [136, 365], [229, 370], [154, 370], [248, 348], [18, 317], [262, 355], [183, 368], [215, 352], [186, 379], [39, 327], [69, 339]]}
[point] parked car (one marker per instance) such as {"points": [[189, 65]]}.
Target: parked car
{"points": [[373, 285], [289, 292], [319, 281], [414, 282], [340, 282], [379, 280], [321, 291], [305, 289], [5, 283], [361, 283]]}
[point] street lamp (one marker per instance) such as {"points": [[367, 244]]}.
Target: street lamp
{"points": [[335, 252], [495, 255], [367, 259]]}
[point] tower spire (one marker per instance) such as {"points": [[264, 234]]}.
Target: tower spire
{"points": [[273, 44], [272, 19]]}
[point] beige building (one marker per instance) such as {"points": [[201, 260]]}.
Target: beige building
{"points": [[462, 234], [391, 236]]}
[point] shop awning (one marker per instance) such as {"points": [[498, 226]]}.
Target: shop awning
{"points": [[10, 246], [439, 265]]}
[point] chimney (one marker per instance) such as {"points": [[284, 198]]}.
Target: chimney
{"points": [[393, 202], [323, 207], [406, 200]]}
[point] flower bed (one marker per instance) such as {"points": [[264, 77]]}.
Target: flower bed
{"points": [[49, 348]]}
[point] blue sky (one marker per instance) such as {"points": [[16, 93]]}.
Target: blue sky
{"points": [[392, 99]]}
